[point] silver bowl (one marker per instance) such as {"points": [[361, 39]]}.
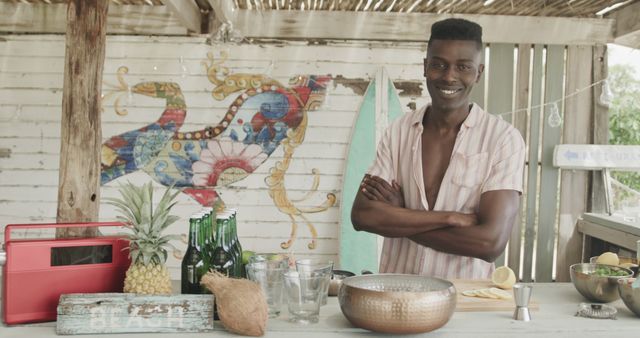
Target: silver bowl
{"points": [[602, 289], [395, 303], [629, 295], [337, 276]]}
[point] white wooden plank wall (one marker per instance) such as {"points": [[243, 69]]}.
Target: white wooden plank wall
{"points": [[31, 76]]}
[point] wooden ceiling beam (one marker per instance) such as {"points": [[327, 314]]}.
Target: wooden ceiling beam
{"points": [[416, 26], [187, 12], [125, 19], [626, 30]]}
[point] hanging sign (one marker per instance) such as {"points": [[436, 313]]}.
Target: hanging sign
{"points": [[597, 157]]}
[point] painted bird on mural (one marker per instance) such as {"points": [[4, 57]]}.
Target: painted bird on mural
{"points": [[260, 117]]}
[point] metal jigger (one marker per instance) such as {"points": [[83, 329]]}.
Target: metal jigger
{"points": [[522, 293]]}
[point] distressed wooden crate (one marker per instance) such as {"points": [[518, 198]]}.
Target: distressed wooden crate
{"points": [[126, 313]]}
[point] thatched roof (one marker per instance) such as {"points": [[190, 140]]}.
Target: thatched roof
{"points": [[182, 17], [559, 8]]}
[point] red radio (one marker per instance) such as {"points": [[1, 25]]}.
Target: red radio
{"points": [[38, 271]]}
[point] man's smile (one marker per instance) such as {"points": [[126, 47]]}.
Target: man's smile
{"points": [[448, 91]]}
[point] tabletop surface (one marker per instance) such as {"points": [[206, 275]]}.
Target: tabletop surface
{"points": [[558, 303]]}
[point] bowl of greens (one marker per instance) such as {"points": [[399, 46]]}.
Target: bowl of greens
{"points": [[598, 282]]}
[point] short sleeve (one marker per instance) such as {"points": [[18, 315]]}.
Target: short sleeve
{"points": [[382, 165], [507, 166]]}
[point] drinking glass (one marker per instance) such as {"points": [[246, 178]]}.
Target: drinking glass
{"points": [[271, 281], [270, 259], [303, 294], [320, 267]]}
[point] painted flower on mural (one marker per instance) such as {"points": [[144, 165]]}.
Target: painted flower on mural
{"points": [[225, 161]]}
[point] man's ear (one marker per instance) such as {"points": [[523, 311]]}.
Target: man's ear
{"points": [[424, 67], [480, 71]]}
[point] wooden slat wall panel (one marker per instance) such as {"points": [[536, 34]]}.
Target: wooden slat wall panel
{"points": [[520, 122], [573, 186], [500, 98], [478, 91], [533, 158], [554, 76], [30, 104]]}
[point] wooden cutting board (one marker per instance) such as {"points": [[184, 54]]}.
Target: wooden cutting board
{"points": [[476, 304]]}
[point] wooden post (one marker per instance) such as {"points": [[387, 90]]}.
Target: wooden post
{"points": [[501, 82], [537, 75], [574, 184], [81, 134], [600, 131], [547, 207], [523, 78]]}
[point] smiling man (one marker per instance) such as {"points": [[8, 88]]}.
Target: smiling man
{"points": [[444, 189]]}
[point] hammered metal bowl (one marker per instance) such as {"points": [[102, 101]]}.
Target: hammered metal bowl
{"points": [[596, 288], [395, 303]]}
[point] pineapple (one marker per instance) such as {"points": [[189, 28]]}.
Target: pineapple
{"points": [[147, 249]]}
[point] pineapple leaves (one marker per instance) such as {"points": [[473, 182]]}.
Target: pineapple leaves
{"points": [[128, 215], [170, 220], [137, 211], [165, 240], [145, 214], [146, 259], [164, 255], [131, 199], [134, 255]]}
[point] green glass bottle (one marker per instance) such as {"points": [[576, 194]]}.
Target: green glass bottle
{"points": [[223, 254], [237, 248], [205, 248], [211, 220], [192, 261], [204, 239]]}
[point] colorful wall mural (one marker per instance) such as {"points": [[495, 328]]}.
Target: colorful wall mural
{"points": [[263, 116]]}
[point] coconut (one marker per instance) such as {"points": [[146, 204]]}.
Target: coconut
{"points": [[242, 306]]}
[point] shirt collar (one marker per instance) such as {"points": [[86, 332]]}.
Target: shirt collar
{"points": [[469, 122]]}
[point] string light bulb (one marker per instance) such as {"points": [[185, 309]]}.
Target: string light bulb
{"points": [[184, 71], [129, 96], [16, 114], [328, 94], [269, 70], [605, 94], [554, 120]]}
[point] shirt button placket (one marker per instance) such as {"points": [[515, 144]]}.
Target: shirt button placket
{"points": [[417, 169]]}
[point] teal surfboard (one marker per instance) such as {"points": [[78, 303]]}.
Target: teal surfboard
{"points": [[359, 250]]}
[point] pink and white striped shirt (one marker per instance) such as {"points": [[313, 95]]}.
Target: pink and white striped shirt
{"points": [[488, 154]]}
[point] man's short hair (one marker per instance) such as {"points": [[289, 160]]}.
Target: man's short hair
{"points": [[456, 29]]}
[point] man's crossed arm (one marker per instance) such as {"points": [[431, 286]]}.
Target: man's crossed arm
{"points": [[379, 208]]}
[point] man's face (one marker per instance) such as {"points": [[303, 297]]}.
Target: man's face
{"points": [[452, 68]]}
